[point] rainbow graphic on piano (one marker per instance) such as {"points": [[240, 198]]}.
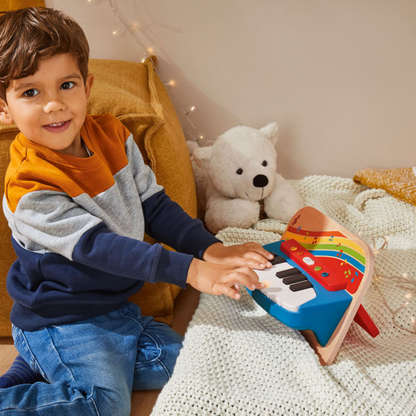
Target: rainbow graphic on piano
{"points": [[343, 255], [320, 274]]}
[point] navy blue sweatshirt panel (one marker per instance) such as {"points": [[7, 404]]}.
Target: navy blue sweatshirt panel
{"points": [[184, 233]]}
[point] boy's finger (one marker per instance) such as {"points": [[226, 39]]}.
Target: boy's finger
{"points": [[231, 292], [256, 261], [257, 248], [246, 276], [252, 264], [258, 252], [249, 283], [258, 265]]}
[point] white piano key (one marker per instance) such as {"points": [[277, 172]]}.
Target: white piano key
{"points": [[274, 289], [290, 300], [282, 266], [302, 297], [281, 294], [292, 303], [270, 273], [274, 281], [265, 274]]}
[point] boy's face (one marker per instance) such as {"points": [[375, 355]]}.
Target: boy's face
{"points": [[49, 107]]}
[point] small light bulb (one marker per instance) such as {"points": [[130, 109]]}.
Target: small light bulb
{"points": [[192, 109], [118, 30], [171, 83]]}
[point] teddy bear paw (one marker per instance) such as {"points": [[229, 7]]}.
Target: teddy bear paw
{"points": [[238, 213]]}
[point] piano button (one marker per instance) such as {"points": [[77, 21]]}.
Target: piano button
{"points": [[289, 272], [301, 286], [308, 261], [294, 279]]}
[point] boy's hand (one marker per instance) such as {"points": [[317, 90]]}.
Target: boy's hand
{"points": [[251, 255], [220, 279]]}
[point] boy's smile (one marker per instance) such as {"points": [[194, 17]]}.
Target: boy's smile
{"points": [[49, 107]]}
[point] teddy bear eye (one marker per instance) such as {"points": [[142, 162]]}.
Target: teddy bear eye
{"points": [[239, 171], [264, 163]]}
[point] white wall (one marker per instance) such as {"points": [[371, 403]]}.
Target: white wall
{"points": [[339, 76]]}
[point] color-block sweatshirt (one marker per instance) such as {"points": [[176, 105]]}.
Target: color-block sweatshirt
{"points": [[78, 225]]}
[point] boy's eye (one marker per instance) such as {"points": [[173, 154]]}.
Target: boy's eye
{"points": [[67, 85], [31, 93]]}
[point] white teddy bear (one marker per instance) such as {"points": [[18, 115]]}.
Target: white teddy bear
{"points": [[237, 172]]}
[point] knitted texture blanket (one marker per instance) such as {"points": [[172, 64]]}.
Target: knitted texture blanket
{"points": [[238, 360]]}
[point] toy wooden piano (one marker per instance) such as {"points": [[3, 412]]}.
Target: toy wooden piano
{"points": [[320, 274]]}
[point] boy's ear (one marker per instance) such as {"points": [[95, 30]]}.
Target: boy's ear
{"points": [[5, 116], [88, 85]]}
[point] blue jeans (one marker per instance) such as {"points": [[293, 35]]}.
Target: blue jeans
{"points": [[92, 366]]}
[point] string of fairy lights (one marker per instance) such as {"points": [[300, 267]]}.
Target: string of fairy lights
{"points": [[405, 282], [132, 29]]}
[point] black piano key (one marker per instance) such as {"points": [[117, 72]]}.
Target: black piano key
{"points": [[277, 260], [301, 286], [288, 272], [294, 279]]}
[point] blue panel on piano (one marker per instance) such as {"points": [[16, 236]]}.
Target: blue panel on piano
{"points": [[321, 315]]}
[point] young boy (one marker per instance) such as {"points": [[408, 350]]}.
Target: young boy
{"points": [[78, 199]]}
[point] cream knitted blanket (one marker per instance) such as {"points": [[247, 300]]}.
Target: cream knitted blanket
{"points": [[238, 360]]}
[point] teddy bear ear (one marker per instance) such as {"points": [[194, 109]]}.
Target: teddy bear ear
{"points": [[202, 156], [271, 131]]}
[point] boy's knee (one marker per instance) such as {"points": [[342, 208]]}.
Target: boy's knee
{"points": [[111, 402], [172, 353], [157, 360]]}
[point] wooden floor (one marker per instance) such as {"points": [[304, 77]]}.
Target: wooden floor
{"points": [[142, 402]]}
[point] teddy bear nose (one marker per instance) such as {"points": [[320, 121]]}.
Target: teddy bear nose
{"points": [[260, 181]]}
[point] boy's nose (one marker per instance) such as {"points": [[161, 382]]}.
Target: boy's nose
{"points": [[53, 104]]}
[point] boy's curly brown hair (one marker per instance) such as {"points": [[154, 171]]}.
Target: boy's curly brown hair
{"points": [[30, 35]]}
